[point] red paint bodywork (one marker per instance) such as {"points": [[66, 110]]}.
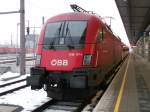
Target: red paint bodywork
{"points": [[104, 54]]}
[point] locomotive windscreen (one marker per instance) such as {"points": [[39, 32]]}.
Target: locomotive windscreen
{"points": [[65, 35]]}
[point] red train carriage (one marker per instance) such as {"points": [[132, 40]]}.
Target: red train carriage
{"points": [[75, 52], [125, 51]]}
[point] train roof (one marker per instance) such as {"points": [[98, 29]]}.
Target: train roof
{"points": [[73, 16]]}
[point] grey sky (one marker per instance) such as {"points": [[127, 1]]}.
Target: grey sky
{"points": [[35, 9]]}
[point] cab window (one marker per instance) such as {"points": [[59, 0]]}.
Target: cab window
{"points": [[101, 33]]}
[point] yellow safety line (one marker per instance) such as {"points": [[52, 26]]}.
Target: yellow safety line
{"points": [[116, 109]]}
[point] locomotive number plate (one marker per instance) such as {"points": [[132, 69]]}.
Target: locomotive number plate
{"points": [[56, 62]]}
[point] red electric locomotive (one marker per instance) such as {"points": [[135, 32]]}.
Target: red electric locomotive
{"points": [[74, 55]]}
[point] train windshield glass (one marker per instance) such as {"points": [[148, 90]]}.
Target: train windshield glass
{"points": [[65, 35]]}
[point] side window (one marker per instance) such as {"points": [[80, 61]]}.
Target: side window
{"points": [[101, 34]]}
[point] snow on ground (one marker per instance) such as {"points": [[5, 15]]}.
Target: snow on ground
{"points": [[13, 86], [11, 75], [26, 98]]}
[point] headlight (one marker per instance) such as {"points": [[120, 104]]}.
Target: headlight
{"points": [[38, 59], [87, 59]]}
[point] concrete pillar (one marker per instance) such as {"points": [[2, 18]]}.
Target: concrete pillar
{"points": [[22, 37]]}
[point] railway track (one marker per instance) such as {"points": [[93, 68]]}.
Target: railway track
{"points": [[12, 86], [85, 105], [12, 60], [54, 105], [13, 82]]}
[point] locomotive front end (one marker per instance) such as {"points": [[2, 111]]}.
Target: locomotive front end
{"points": [[62, 63]]}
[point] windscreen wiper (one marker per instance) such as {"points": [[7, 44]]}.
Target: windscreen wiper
{"points": [[52, 43], [70, 37], [57, 34]]}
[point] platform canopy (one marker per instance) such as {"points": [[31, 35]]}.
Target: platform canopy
{"points": [[135, 15]]}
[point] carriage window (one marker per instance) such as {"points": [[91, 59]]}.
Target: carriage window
{"points": [[100, 35]]}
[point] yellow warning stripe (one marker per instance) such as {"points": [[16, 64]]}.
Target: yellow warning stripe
{"points": [[116, 109]]}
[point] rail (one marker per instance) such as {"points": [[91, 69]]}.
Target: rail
{"points": [[12, 90], [12, 86], [12, 60]]}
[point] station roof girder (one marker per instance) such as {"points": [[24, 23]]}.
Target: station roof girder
{"points": [[135, 15]]}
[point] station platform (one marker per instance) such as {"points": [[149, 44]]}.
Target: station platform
{"points": [[130, 89]]}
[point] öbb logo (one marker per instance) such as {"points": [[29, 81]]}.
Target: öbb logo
{"points": [[55, 62]]}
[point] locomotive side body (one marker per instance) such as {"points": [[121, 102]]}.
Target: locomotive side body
{"points": [[125, 51], [75, 52]]}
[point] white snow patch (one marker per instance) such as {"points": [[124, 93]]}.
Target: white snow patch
{"points": [[13, 86], [26, 98], [11, 75]]}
